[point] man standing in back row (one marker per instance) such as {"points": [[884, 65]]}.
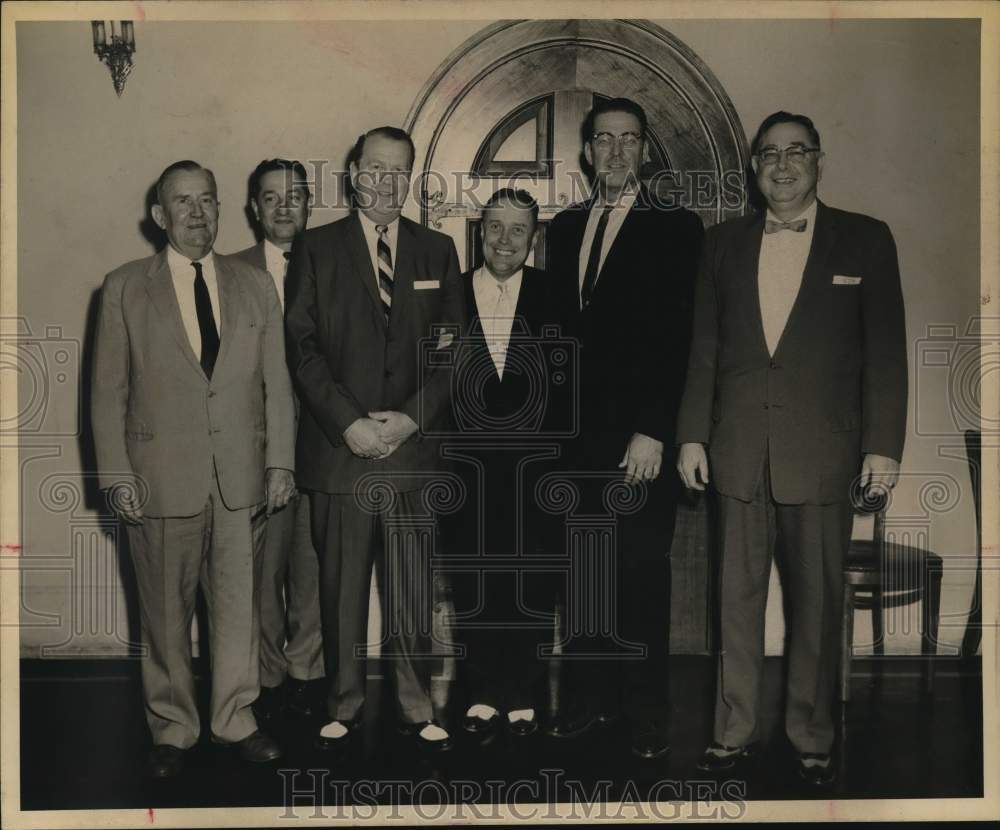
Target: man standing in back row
{"points": [[289, 585], [797, 384], [626, 264]]}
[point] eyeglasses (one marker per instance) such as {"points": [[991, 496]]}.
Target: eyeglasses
{"points": [[795, 154], [627, 141]]}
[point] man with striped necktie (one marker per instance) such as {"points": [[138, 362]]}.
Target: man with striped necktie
{"points": [[362, 294]]}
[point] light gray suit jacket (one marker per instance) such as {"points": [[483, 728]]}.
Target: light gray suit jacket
{"points": [[156, 415]]}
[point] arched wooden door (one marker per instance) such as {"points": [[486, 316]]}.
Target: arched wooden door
{"points": [[506, 108]]}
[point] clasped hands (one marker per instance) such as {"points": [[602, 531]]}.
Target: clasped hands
{"points": [[380, 434]]}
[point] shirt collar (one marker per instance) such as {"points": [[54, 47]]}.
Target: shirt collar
{"points": [[272, 251], [483, 275], [178, 261], [624, 201], [809, 214], [370, 226]]}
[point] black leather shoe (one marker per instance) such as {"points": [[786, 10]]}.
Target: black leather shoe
{"points": [[570, 726], [257, 748], [165, 761], [649, 740], [818, 775], [327, 744], [522, 728], [300, 701], [413, 730], [608, 717], [479, 726], [725, 758]]}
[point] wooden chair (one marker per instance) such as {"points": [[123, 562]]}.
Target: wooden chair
{"points": [[974, 627], [879, 575]]}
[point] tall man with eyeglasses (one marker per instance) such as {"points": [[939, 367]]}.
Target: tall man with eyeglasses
{"points": [[194, 431], [797, 387], [625, 262], [291, 642]]}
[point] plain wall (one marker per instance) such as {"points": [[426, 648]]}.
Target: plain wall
{"points": [[896, 102]]}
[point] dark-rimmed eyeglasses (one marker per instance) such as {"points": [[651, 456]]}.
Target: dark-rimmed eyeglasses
{"points": [[627, 141], [794, 154]]}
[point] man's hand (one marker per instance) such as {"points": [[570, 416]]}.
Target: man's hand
{"points": [[363, 439], [879, 472], [279, 487], [125, 504], [394, 429], [692, 464], [642, 459]]}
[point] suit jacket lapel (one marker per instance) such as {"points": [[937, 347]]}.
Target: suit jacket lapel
{"points": [[160, 288], [230, 294], [260, 256], [748, 263], [358, 246], [814, 273]]}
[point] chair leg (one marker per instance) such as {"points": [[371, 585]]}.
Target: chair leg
{"points": [[931, 618], [878, 629], [847, 644]]}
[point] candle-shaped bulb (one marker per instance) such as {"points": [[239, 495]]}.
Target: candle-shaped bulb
{"points": [[99, 36], [128, 33]]}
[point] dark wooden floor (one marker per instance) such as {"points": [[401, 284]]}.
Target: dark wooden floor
{"points": [[84, 739]]}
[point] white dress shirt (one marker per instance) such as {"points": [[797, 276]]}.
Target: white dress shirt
{"points": [[182, 272], [277, 265], [496, 303], [371, 237], [782, 262], [615, 220]]}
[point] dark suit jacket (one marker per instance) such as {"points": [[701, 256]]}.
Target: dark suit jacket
{"points": [[634, 334], [510, 431], [837, 385], [345, 360], [254, 255], [155, 413]]}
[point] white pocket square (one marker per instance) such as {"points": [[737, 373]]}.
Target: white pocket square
{"points": [[423, 285], [840, 279]]}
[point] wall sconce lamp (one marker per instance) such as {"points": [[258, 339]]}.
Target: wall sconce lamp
{"points": [[117, 54]]}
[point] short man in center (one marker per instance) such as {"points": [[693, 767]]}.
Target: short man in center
{"points": [[626, 264], [510, 411], [362, 295]]}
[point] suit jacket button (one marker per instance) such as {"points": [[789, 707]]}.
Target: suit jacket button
{"points": [[211, 394], [388, 373], [767, 406]]}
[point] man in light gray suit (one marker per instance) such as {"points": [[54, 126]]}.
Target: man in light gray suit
{"points": [[193, 427], [291, 642]]}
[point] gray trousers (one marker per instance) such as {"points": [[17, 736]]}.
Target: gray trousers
{"points": [[812, 541], [350, 541], [220, 548], [291, 641]]}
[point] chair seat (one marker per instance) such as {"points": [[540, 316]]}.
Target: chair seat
{"points": [[903, 566]]}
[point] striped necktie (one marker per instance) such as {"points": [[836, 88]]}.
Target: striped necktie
{"points": [[384, 269]]}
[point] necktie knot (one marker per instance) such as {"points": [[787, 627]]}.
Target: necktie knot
{"points": [[773, 226], [382, 230]]}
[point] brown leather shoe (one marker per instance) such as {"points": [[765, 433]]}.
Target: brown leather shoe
{"points": [[258, 748], [165, 761]]}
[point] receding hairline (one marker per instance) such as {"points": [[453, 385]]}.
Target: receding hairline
{"points": [[168, 174]]}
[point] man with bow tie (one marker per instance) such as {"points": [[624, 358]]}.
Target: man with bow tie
{"points": [[291, 642], [194, 431], [796, 390]]}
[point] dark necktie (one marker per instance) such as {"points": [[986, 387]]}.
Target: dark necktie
{"points": [[594, 261], [287, 255], [797, 225], [384, 269], [206, 322]]}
